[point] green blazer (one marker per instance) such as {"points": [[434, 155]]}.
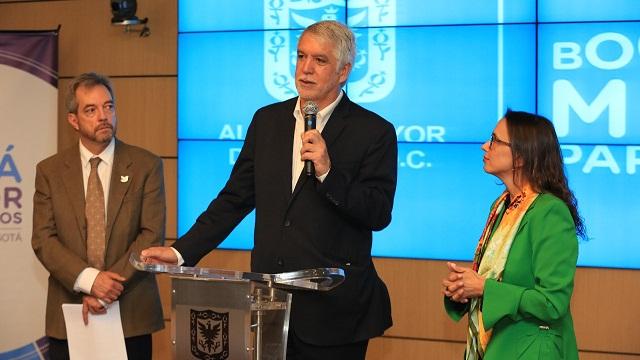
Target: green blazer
{"points": [[529, 310]]}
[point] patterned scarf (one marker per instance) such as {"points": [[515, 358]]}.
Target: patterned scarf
{"points": [[489, 260]]}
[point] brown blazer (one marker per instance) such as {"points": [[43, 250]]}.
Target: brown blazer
{"points": [[135, 221]]}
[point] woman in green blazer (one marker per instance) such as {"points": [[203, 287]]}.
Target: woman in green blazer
{"points": [[517, 294]]}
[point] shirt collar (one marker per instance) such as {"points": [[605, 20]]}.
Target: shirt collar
{"points": [[106, 156], [324, 114]]}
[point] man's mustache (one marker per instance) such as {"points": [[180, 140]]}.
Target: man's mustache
{"points": [[105, 126]]}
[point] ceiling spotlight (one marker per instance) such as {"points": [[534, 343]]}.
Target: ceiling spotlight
{"points": [[124, 14]]}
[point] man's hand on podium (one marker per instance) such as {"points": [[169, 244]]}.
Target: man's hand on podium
{"points": [[159, 255]]}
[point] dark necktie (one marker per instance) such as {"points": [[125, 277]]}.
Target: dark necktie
{"points": [[94, 213]]}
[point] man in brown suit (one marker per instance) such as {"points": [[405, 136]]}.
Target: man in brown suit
{"points": [[131, 217]]}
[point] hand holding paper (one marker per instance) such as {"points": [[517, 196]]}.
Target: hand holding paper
{"points": [[100, 337]]}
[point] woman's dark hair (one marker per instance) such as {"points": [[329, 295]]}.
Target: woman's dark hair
{"points": [[535, 147]]}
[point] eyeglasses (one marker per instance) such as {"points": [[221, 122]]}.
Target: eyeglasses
{"points": [[494, 139], [92, 111]]}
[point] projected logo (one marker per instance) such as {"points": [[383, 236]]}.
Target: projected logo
{"points": [[597, 94], [373, 74]]}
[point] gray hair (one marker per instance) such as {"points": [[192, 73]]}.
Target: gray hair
{"points": [[340, 35], [89, 80]]}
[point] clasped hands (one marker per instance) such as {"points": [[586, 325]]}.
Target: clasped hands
{"points": [[462, 284], [106, 288]]}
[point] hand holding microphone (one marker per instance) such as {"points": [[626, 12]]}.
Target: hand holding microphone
{"points": [[309, 110]]}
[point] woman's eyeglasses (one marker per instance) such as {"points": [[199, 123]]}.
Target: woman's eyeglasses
{"points": [[495, 139]]}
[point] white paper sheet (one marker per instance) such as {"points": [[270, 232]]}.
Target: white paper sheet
{"points": [[101, 339]]}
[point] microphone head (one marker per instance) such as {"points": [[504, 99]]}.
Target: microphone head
{"points": [[310, 108]]}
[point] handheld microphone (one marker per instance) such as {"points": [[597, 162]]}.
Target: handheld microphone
{"points": [[310, 110]]}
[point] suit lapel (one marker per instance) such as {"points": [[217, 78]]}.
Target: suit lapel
{"points": [[330, 133], [336, 122], [72, 180], [121, 177], [302, 179]]}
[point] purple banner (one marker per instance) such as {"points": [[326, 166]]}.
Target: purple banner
{"points": [[28, 134], [35, 52]]}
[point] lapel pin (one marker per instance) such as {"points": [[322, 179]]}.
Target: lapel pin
{"points": [[124, 179]]}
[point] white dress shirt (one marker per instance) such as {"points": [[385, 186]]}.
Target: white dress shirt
{"points": [[321, 120]]}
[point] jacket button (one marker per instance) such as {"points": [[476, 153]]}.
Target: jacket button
{"points": [[287, 223], [280, 262]]}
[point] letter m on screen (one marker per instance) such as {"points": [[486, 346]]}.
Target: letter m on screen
{"points": [[611, 97]]}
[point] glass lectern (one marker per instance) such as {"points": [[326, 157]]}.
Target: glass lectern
{"points": [[222, 314]]}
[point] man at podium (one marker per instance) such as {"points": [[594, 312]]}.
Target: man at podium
{"points": [[322, 218]]}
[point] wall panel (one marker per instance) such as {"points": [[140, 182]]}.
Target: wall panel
{"points": [[386, 348], [88, 41], [606, 314], [416, 299], [162, 343], [164, 286], [607, 356]]}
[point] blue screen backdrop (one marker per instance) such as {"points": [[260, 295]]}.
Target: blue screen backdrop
{"points": [[443, 72]]}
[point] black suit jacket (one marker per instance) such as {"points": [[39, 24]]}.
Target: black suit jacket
{"points": [[326, 224]]}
